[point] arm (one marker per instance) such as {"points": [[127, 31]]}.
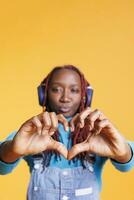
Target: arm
{"points": [[127, 165], [7, 161], [33, 137], [103, 139]]}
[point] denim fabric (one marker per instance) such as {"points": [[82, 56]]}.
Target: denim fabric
{"points": [[51, 183]]}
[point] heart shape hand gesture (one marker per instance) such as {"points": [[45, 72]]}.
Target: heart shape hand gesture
{"points": [[35, 136]]}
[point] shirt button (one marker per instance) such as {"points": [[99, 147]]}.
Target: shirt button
{"points": [[65, 173], [35, 188], [91, 169], [37, 166], [65, 197]]}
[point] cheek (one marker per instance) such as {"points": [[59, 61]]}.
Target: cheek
{"points": [[53, 100], [75, 106], [77, 101]]}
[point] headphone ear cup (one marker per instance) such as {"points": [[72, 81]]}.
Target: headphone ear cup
{"points": [[89, 96], [41, 94]]}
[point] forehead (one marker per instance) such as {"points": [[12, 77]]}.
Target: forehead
{"points": [[66, 76]]}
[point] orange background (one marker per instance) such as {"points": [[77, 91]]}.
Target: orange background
{"points": [[98, 37]]}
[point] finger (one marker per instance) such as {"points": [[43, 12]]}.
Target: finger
{"points": [[98, 126], [107, 128], [46, 123], [35, 120], [59, 147], [63, 120], [73, 122], [54, 123], [83, 115], [76, 149], [95, 115]]}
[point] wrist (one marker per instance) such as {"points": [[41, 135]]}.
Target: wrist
{"points": [[7, 153], [126, 157]]}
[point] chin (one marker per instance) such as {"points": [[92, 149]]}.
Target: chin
{"points": [[68, 114]]}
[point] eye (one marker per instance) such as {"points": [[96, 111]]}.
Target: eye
{"points": [[75, 90], [56, 89]]}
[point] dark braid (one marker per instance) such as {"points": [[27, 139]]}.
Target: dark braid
{"points": [[79, 135]]}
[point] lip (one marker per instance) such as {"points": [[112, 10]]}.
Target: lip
{"points": [[64, 109]]}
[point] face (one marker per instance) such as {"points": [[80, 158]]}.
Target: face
{"points": [[64, 93]]}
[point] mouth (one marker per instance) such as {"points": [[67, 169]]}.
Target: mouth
{"points": [[64, 109]]}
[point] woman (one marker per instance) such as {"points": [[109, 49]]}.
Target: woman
{"points": [[67, 144]]}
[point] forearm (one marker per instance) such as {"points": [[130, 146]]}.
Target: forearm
{"points": [[126, 157], [6, 152], [124, 167]]}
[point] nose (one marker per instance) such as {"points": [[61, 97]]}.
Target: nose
{"points": [[65, 97]]}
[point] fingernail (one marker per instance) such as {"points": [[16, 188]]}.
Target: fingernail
{"points": [[72, 129], [52, 133], [96, 132], [90, 128], [67, 128], [39, 131], [81, 125]]}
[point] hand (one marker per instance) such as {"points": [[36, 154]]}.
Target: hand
{"points": [[34, 136], [103, 139]]}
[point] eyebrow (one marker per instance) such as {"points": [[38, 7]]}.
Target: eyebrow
{"points": [[60, 83]]}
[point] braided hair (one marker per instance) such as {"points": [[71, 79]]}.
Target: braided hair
{"points": [[79, 135]]}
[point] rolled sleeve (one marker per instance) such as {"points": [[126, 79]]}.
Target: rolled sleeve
{"points": [[6, 168], [124, 167]]}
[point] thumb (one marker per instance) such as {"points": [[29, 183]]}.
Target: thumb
{"points": [[59, 147], [76, 149], [73, 122], [64, 121]]}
